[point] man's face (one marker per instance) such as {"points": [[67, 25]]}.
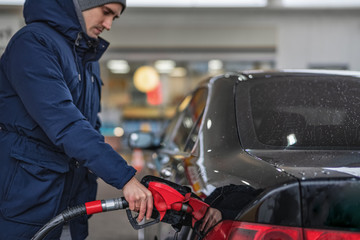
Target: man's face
{"points": [[100, 18]]}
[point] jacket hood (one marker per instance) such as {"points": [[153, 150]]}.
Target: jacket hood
{"points": [[62, 15]]}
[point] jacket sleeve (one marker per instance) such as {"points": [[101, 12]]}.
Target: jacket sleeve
{"points": [[35, 73]]}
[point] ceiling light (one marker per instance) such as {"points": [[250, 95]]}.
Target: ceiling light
{"points": [[118, 66], [164, 66], [159, 3], [178, 72], [229, 3], [12, 2], [198, 3], [215, 65], [320, 3]]}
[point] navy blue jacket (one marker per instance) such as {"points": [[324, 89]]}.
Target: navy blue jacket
{"points": [[51, 150]]}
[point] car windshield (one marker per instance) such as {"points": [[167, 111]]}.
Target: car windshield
{"points": [[304, 112]]}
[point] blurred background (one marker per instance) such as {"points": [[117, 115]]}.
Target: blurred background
{"points": [[160, 49]]}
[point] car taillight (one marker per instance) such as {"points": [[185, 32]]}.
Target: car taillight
{"points": [[316, 234], [251, 231], [233, 230]]}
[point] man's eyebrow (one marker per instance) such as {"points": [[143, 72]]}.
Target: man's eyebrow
{"points": [[111, 12]]}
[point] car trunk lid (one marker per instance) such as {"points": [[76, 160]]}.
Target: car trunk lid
{"points": [[331, 204]]}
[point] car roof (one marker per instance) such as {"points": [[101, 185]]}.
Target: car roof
{"points": [[298, 72]]}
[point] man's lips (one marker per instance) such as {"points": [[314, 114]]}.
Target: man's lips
{"points": [[98, 30]]}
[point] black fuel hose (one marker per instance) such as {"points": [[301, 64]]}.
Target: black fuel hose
{"points": [[80, 210]]}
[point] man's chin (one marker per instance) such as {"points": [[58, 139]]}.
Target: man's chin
{"points": [[93, 36]]}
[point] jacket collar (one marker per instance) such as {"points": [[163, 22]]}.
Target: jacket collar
{"points": [[90, 49]]}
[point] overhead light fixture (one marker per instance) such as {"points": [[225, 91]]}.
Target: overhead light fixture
{"points": [[178, 72], [230, 3], [12, 2], [320, 3], [159, 3], [198, 3], [165, 66], [215, 65], [118, 66]]}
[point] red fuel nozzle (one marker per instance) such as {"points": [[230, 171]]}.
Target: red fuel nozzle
{"points": [[105, 205], [167, 198]]}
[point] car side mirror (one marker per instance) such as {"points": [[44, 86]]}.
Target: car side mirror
{"points": [[142, 140]]}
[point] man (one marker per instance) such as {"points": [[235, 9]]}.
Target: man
{"points": [[51, 150]]}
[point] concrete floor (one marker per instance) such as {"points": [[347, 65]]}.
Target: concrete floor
{"points": [[110, 225]]}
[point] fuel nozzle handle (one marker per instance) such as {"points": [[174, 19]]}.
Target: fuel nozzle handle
{"points": [[106, 205]]}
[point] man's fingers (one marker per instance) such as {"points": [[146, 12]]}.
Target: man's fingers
{"points": [[137, 206], [139, 198], [142, 210], [209, 224], [205, 225], [131, 205], [205, 220], [149, 209]]}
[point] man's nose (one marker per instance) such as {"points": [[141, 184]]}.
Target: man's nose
{"points": [[107, 23]]}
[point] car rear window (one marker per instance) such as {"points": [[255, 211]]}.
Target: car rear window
{"points": [[306, 112]]}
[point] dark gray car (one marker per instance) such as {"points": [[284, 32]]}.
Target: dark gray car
{"points": [[277, 153]]}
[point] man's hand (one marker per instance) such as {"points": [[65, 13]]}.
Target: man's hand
{"points": [[212, 217], [139, 198]]}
